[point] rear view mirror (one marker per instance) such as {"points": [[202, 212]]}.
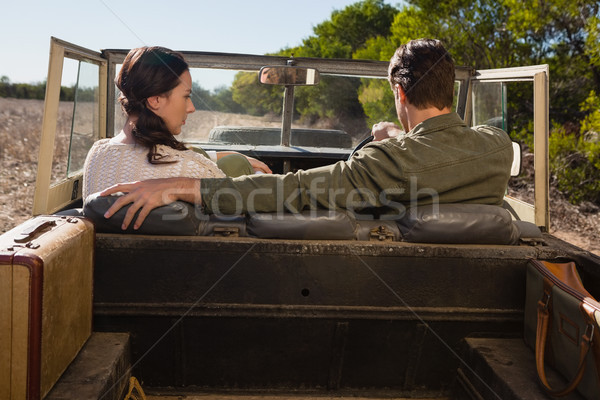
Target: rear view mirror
{"points": [[288, 76]]}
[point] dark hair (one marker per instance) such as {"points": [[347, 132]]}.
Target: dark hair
{"points": [[147, 72], [425, 72]]}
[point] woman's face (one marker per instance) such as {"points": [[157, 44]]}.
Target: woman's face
{"points": [[177, 104]]}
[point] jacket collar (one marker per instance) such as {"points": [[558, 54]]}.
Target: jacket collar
{"points": [[438, 123]]}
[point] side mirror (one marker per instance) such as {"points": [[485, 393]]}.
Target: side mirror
{"points": [[288, 76], [515, 169]]}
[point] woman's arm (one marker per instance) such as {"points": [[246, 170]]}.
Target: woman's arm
{"points": [[257, 165]]}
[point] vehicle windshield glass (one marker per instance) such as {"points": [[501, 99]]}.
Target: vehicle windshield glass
{"points": [[77, 123], [230, 98], [84, 127], [489, 104], [333, 104]]}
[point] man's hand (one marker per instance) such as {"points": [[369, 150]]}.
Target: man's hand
{"points": [[150, 194], [385, 130]]}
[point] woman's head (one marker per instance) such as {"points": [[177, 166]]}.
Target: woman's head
{"points": [[155, 86]]}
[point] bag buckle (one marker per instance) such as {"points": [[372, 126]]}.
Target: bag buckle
{"points": [[545, 300], [590, 328]]}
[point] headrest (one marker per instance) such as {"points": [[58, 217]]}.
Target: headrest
{"points": [[458, 224], [178, 218], [315, 225]]}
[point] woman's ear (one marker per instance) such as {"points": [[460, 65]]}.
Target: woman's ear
{"points": [[153, 102]]}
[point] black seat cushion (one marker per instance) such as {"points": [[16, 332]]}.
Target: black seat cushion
{"points": [[315, 225], [459, 224], [178, 218]]}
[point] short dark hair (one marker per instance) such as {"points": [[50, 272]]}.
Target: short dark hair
{"points": [[425, 71], [147, 72]]}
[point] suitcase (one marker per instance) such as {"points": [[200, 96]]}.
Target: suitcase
{"points": [[46, 273]]}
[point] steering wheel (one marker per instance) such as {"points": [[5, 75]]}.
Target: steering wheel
{"points": [[362, 144]]}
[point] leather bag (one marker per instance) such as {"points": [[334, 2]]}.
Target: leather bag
{"points": [[561, 324]]}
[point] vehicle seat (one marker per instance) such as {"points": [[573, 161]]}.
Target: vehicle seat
{"points": [[443, 223]]}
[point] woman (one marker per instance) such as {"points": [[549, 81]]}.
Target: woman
{"points": [[155, 85]]}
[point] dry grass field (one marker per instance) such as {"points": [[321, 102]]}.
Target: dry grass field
{"points": [[20, 128]]}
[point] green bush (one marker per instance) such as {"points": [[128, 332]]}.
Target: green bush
{"points": [[33, 91], [575, 158], [378, 101]]}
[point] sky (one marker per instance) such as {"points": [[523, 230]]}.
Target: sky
{"points": [[236, 26]]}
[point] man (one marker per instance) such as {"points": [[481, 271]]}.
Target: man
{"points": [[438, 159]]}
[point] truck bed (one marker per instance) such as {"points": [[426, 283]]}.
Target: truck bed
{"points": [[329, 317]]}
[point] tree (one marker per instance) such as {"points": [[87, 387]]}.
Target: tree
{"points": [[564, 34], [347, 31], [333, 100], [223, 100], [258, 99], [493, 34], [4, 86]]}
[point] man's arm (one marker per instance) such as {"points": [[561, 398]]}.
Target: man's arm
{"points": [[147, 195], [352, 185]]}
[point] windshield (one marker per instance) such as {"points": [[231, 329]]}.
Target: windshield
{"points": [[332, 105], [227, 99]]}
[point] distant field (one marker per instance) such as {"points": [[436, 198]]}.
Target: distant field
{"points": [[20, 129]]}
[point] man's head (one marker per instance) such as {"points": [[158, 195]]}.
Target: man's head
{"points": [[424, 70]]}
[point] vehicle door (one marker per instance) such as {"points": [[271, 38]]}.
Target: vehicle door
{"points": [[516, 100], [74, 118]]}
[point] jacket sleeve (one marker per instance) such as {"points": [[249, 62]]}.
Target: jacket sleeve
{"points": [[369, 179]]}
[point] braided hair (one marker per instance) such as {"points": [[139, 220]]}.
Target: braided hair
{"points": [[147, 72]]}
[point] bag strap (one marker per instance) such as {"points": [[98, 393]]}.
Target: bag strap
{"points": [[540, 346]]}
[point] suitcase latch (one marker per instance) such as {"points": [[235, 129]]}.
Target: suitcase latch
{"points": [[29, 245]]}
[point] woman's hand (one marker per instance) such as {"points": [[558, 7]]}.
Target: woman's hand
{"points": [[259, 166], [150, 194]]}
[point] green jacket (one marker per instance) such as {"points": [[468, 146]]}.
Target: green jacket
{"points": [[440, 160]]}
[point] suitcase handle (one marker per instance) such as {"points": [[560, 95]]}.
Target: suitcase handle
{"points": [[33, 231]]}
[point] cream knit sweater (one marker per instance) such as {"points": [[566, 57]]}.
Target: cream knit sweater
{"points": [[110, 163]]}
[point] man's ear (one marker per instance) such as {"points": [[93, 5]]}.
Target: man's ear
{"points": [[399, 93], [153, 102]]}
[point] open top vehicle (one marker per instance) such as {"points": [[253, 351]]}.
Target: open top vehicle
{"points": [[311, 305]]}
